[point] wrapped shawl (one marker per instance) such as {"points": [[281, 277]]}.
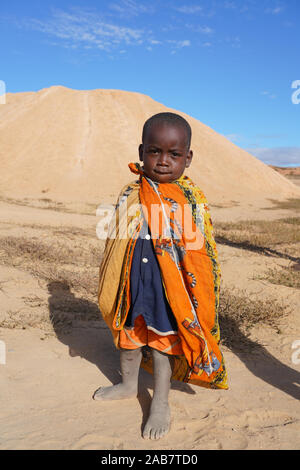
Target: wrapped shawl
{"points": [[186, 251]]}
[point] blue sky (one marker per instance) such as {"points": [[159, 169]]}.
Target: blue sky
{"points": [[229, 63]]}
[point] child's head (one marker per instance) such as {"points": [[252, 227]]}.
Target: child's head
{"points": [[165, 149]]}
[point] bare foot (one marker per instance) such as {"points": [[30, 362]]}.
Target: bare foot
{"points": [[115, 392], [158, 423]]}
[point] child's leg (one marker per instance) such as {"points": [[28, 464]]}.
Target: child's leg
{"points": [[130, 360], [158, 423]]}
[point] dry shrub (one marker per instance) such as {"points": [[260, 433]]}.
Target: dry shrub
{"points": [[49, 204], [284, 276], [16, 250], [72, 263], [259, 233], [278, 238], [84, 281], [24, 318], [289, 203], [62, 310], [239, 313]]}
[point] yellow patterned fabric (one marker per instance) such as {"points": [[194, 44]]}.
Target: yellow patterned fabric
{"points": [[187, 255]]}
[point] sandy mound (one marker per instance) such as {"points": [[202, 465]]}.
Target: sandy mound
{"points": [[74, 145]]}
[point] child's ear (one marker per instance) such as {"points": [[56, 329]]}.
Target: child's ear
{"points": [[189, 158], [141, 151]]}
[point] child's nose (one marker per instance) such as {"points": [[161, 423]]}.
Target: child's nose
{"points": [[163, 159]]}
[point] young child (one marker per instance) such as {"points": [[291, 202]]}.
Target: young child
{"points": [[160, 276]]}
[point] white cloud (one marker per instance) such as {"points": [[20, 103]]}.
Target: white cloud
{"points": [[269, 136], [154, 41], [179, 44], [87, 29], [280, 156], [184, 43], [130, 8], [199, 29], [270, 95], [197, 9], [81, 27], [230, 5], [189, 9], [234, 41], [205, 30], [274, 10]]}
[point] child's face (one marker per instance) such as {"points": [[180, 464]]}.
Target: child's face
{"points": [[165, 153]]}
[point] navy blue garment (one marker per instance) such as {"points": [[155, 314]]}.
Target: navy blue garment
{"points": [[148, 297]]}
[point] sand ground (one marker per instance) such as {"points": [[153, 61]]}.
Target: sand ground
{"points": [[50, 374]]}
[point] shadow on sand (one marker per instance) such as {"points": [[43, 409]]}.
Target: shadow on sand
{"points": [[78, 324], [88, 336], [259, 360], [264, 250]]}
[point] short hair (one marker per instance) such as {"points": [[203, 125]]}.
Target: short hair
{"points": [[171, 119]]}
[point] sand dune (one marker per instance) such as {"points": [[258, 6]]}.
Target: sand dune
{"points": [[74, 145]]}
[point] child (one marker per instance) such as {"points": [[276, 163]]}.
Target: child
{"points": [[159, 283]]}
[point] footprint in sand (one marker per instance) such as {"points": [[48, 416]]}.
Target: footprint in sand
{"points": [[258, 419], [232, 432], [97, 442], [209, 432]]}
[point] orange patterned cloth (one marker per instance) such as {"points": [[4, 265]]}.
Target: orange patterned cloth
{"points": [[140, 335], [181, 228]]}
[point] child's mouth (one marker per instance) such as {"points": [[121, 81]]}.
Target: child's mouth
{"points": [[162, 172]]}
